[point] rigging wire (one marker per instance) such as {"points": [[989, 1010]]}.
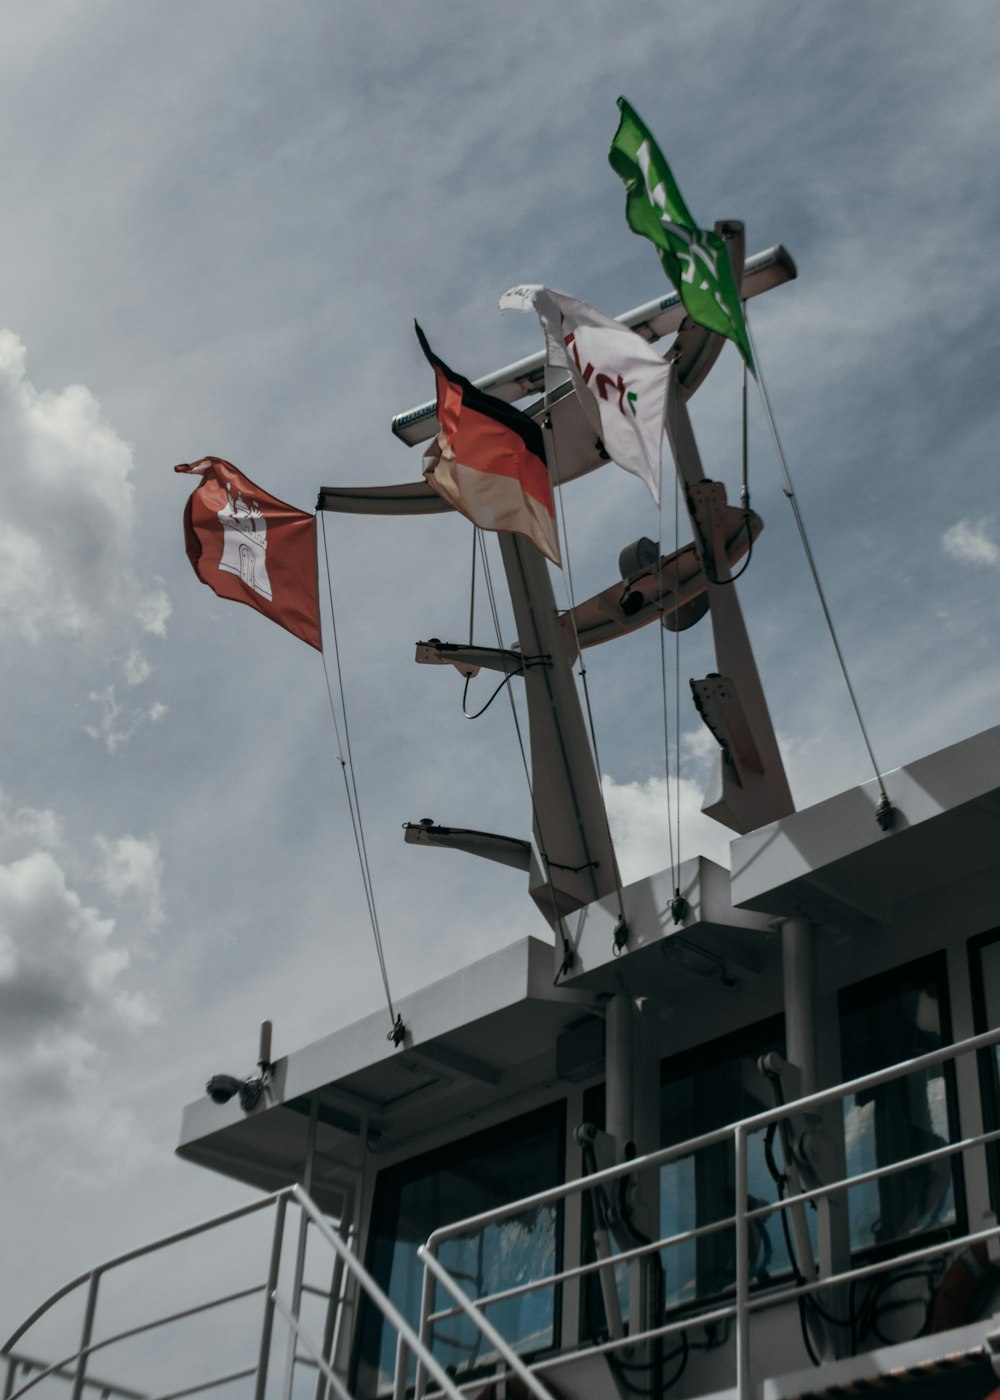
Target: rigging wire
{"points": [[744, 499], [472, 595], [884, 810], [622, 929], [663, 690], [677, 691], [472, 622], [744, 446], [567, 947], [353, 803]]}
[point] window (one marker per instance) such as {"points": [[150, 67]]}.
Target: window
{"points": [[463, 1179], [703, 1089], [719, 1083], [883, 1021]]}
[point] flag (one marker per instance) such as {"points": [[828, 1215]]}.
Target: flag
{"points": [[620, 381], [253, 548], [488, 460], [694, 259]]}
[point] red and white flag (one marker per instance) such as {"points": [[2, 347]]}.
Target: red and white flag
{"points": [[488, 460], [620, 380], [251, 547]]}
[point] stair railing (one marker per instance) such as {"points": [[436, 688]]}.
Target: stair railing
{"points": [[745, 1303], [349, 1275]]}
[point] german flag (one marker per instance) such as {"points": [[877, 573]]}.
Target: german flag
{"points": [[488, 460]]}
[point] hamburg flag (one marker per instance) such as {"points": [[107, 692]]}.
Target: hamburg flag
{"points": [[253, 548], [488, 460], [620, 380], [695, 260]]}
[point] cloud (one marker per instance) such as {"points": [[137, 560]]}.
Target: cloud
{"points": [[67, 536], [972, 542], [114, 727], [641, 820], [70, 927], [136, 667], [132, 873]]}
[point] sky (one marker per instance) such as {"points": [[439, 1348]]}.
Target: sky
{"points": [[221, 218]]}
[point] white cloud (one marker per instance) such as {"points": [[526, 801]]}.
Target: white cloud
{"points": [[136, 668], [973, 542], [641, 822], [118, 722], [69, 931], [132, 873], [61, 963], [68, 533], [110, 727], [152, 612]]}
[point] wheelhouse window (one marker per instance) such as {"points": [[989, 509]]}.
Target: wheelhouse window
{"points": [[717, 1084], [703, 1089], [884, 1021], [468, 1178]]}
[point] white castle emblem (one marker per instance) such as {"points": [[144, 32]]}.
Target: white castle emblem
{"points": [[244, 549]]}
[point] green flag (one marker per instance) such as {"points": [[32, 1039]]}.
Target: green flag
{"points": [[695, 260]]}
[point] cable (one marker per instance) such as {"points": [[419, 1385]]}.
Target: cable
{"points": [[567, 947], [506, 681], [884, 812], [675, 869], [663, 690], [622, 922], [353, 803], [472, 588], [726, 582]]}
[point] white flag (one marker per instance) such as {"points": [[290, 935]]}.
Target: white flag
{"points": [[620, 380]]}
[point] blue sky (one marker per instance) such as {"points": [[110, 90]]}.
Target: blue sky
{"points": [[220, 222]]}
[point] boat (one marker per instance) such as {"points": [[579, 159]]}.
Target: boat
{"points": [[730, 1131]]}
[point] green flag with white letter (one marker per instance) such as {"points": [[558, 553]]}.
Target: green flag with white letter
{"points": [[695, 260]]}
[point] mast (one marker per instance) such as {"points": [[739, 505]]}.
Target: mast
{"points": [[573, 864], [569, 823]]}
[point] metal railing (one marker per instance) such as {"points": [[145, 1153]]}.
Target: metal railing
{"points": [[415, 1344], [74, 1370], [17, 1361], [745, 1303]]}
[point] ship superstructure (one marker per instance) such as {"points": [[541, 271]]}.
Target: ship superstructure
{"points": [[731, 1131]]}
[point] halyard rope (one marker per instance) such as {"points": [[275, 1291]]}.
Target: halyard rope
{"points": [[353, 803], [800, 523]]}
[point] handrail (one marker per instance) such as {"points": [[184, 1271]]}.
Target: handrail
{"points": [[663, 1155], [73, 1368], [301, 1334], [509, 1356], [389, 1311], [739, 1133], [15, 1359], [416, 1342], [150, 1248]]}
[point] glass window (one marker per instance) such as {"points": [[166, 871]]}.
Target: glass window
{"points": [[718, 1084], [706, 1088], [464, 1179], [883, 1021]]}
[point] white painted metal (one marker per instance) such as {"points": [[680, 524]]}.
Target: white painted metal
{"points": [[747, 1303], [569, 821], [749, 788], [653, 319]]}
